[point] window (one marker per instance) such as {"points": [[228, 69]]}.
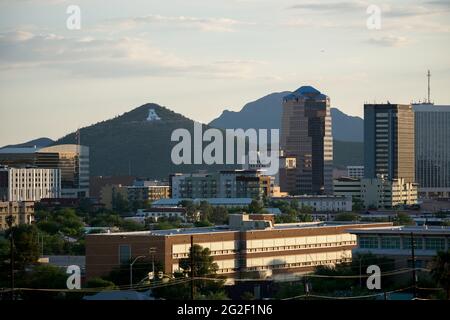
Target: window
{"points": [[390, 242], [124, 253], [418, 243], [435, 244], [368, 242]]}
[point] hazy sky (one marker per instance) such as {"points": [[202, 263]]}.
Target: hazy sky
{"points": [[199, 57]]}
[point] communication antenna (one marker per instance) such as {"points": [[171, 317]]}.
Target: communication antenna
{"points": [[429, 78]]}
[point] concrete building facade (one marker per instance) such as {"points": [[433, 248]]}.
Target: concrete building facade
{"points": [[396, 243], [356, 172], [382, 193], [22, 212], [225, 184], [29, 184], [389, 141], [72, 161], [249, 244], [322, 203]]}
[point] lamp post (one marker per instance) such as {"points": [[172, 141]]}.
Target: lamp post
{"points": [[131, 270], [10, 222], [152, 252]]}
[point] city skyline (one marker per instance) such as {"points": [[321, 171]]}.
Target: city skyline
{"points": [[199, 60]]}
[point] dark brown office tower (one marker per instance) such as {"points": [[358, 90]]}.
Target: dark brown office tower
{"points": [[389, 141], [307, 143]]}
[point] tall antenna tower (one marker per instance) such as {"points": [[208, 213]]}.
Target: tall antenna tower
{"points": [[429, 78]]}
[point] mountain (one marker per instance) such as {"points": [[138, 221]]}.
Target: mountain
{"points": [[266, 113], [131, 145], [41, 142]]}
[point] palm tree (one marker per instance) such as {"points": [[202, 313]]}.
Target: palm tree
{"points": [[440, 270]]}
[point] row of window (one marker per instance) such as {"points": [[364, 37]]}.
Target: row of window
{"points": [[299, 264], [304, 246], [213, 253], [431, 243]]}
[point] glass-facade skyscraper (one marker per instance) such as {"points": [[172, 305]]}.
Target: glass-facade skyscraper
{"points": [[306, 136], [432, 148], [389, 142]]}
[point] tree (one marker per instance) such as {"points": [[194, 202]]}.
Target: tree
{"points": [[346, 216], [26, 249], [204, 264], [219, 215], [99, 283], [358, 205], [42, 277], [120, 204], [205, 210], [255, 207], [403, 219], [440, 270], [129, 226], [305, 218]]}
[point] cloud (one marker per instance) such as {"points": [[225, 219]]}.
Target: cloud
{"points": [[389, 41], [123, 57], [203, 24], [330, 6]]}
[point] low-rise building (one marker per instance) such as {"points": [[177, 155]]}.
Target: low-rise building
{"points": [[140, 191], [322, 203], [156, 213], [396, 243], [225, 184], [250, 243], [29, 184], [347, 186], [215, 202], [22, 212], [384, 193]]}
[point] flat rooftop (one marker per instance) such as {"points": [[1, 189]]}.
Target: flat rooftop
{"points": [[225, 228], [403, 230]]}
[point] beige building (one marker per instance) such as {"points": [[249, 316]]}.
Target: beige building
{"points": [[383, 193], [346, 186], [23, 213], [29, 184], [137, 193]]}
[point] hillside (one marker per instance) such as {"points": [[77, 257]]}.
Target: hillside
{"points": [[129, 144], [266, 113], [40, 142]]}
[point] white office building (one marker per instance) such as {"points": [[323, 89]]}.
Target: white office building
{"points": [[29, 184]]}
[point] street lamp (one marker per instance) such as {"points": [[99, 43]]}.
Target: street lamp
{"points": [[152, 252], [131, 270]]}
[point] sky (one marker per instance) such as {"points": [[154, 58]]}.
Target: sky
{"points": [[199, 57]]}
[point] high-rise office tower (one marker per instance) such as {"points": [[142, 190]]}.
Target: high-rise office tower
{"points": [[71, 159], [389, 141], [432, 148], [306, 137]]}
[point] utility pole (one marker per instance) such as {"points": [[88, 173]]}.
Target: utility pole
{"points": [[414, 266], [192, 269], [360, 271], [10, 222]]}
